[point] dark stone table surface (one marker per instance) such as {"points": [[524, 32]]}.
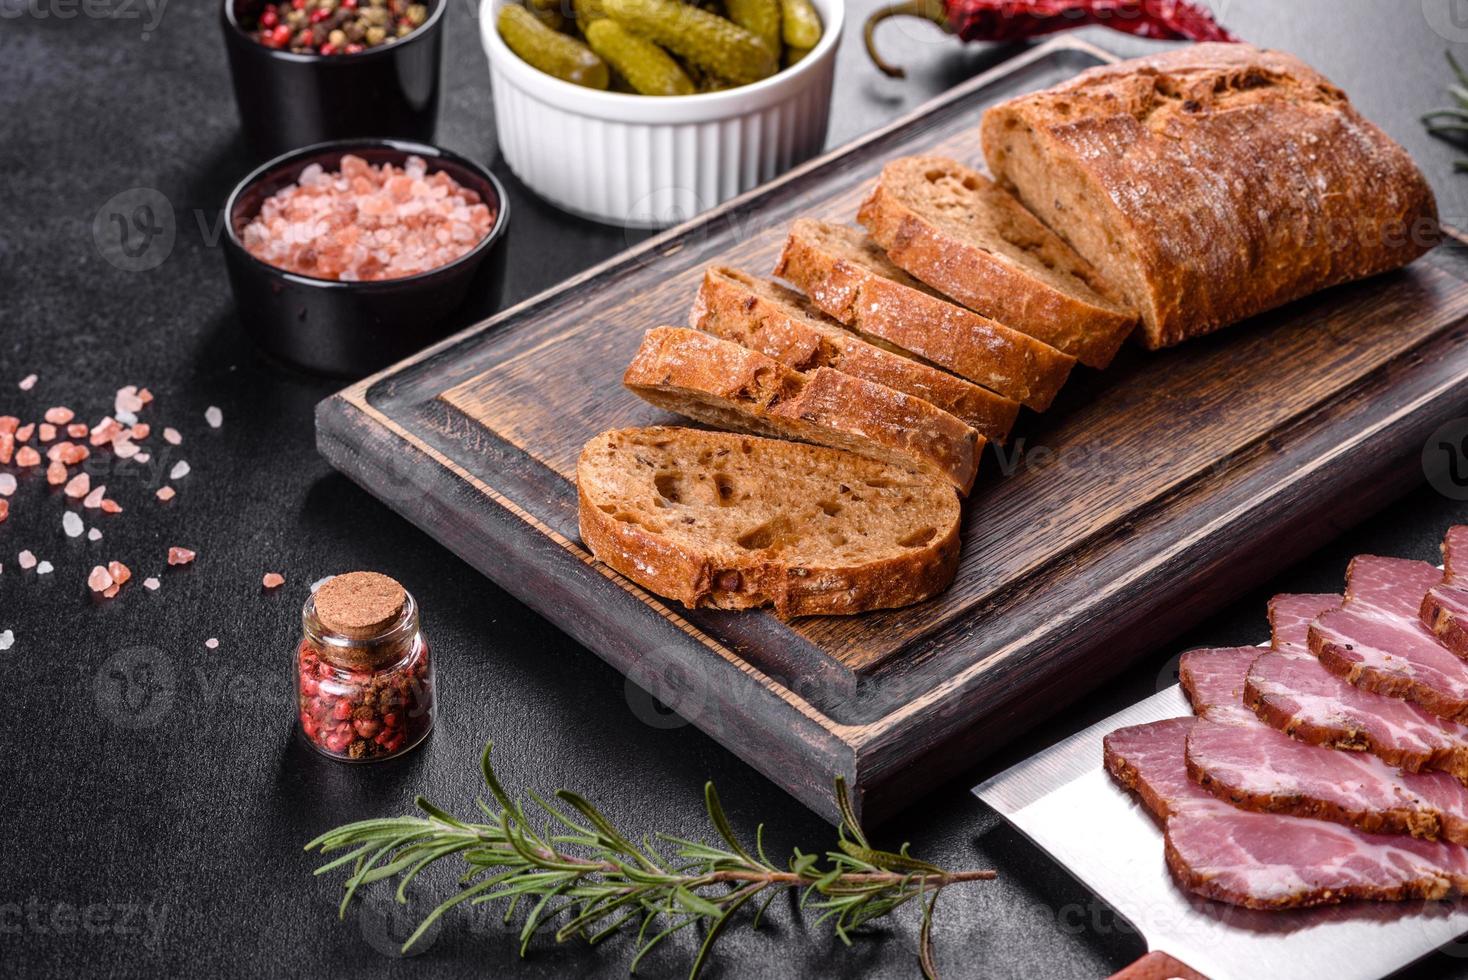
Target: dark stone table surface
{"points": [[169, 842]]}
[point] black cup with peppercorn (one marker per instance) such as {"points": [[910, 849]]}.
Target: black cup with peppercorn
{"points": [[308, 71]]}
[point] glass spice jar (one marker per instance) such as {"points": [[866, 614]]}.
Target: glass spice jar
{"points": [[364, 680]]}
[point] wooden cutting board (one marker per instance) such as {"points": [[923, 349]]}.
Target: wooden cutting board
{"points": [[1147, 497]]}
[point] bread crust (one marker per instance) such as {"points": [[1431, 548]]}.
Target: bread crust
{"points": [[779, 322], [1212, 182], [723, 384], [888, 304], [738, 579], [983, 277]]}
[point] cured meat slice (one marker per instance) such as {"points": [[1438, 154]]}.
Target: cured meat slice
{"points": [[1243, 761], [1290, 690], [1445, 607], [1267, 861], [1377, 641]]}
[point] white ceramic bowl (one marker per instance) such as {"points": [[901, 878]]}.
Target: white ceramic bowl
{"points": [[650, 162]]}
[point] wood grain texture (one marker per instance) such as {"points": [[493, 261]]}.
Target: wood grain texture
{"points": [[1147, 497]]}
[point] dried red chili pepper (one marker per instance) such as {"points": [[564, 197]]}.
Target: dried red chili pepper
{"points": [[1014, 20]]}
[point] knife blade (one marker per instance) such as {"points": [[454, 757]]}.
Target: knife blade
{"points": [[1064, 801]]}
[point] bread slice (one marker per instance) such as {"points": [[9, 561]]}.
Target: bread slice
{"points": [[955, 230], [848, 277], [777, 321], [732, 387], [739, 522]]}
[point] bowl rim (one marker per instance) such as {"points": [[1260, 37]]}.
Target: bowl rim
{"points": [[407, 148], [233, 26], [585, 101]]}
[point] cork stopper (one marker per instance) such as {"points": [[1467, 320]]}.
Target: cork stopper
{"points": [[360, 605]]}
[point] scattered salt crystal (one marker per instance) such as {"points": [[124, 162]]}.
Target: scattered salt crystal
{"points": [[272, 580], [94, 535], [71, 523], [24, 433], [127, 400], [212, 643], [4, 509], [171, 436], [56, 473], [7, 639], [125, 417], [94, 499], [141, 458], [140, 431], [179, 556], [179, 471], [78, 486], [110, 506], [124, 448], [120, 573], [151, 584], [27, 560], [59, 415], [165, 494], [7, 484], [46, 431], [214, 417], [27, 456], [112, 591], [45, 568], [77, 430], [100, 580], [28, 382]]}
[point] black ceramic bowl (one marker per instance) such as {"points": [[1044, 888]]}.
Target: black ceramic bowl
{"points": [[288, 100], [351, 329]]}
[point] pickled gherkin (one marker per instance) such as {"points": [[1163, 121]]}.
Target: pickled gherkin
{"points": [[587, 11], [759, 17], [647, 68], [711, 42], [551, 51], [800, 25]]}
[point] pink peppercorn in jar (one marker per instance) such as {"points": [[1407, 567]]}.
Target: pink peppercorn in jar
{"points": [[364, 680]]}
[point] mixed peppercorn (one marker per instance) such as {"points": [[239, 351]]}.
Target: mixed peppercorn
{"points": [[359, 714], [336, 26]]}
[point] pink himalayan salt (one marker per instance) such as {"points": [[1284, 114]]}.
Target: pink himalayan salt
{"points": [[47, 431], [99, 580], [94, 499], [151, 584], [110, 506], [24, 433], [273, 580], [79, 486], [179, 556], [368, 222], [56, 473], [171, 436], [27, 560], [59, 415], [165, 494], [127, 400], [27, 456], [28, 382], [212, 643]]}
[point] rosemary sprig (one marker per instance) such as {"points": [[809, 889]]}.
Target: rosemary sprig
{"points": [[582, 878], [1452, 123]]}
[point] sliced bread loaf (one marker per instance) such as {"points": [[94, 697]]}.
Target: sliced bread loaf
{"points": [[773, 320], [738, 522], [733, 387], [1212, 182], [848, 277], [955, 230]]}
